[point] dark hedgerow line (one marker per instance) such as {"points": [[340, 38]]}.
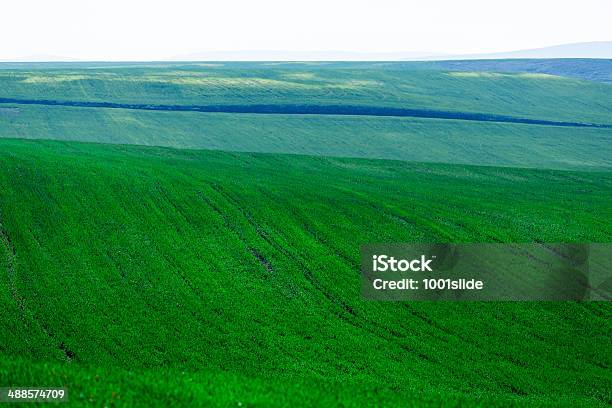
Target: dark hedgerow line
{"points": [[311, 110]]}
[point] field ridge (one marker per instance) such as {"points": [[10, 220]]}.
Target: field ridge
{"points": [[296, 109]]}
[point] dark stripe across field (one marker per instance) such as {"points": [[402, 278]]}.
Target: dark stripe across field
{"points": [[353, 110]]}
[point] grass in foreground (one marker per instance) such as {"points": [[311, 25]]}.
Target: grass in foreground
{"points": [[146, 275]]}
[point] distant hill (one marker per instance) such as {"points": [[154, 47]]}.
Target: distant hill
{"points": [[289, 55], [599, 70], [595, 49], [430, 86], [40, 58]]}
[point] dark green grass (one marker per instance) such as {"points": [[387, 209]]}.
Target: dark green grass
{"points": [[422, 140], [154, 276]]}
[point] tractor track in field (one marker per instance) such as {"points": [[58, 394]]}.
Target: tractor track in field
{"points": [[19, 300], [312, 232], [305, 109], [11, 255], [345, 312]]}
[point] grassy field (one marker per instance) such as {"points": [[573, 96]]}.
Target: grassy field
{"points": [[190, 259], [534, 96], [131, 273], [597, 70], [408, 139], [530, 95]]}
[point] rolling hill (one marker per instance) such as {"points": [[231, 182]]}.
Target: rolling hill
{"points": [[459, 116], [525, 95], [408, 139], [591, 50], [161, 251], [153, 276], [598, 70]]}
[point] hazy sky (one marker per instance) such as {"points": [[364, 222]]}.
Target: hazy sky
{"points": [[133, 30]]}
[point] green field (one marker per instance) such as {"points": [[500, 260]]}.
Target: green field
{"points": [[523, 95], [219, 263], [409, 139], [531, 95], [145, 259]]}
